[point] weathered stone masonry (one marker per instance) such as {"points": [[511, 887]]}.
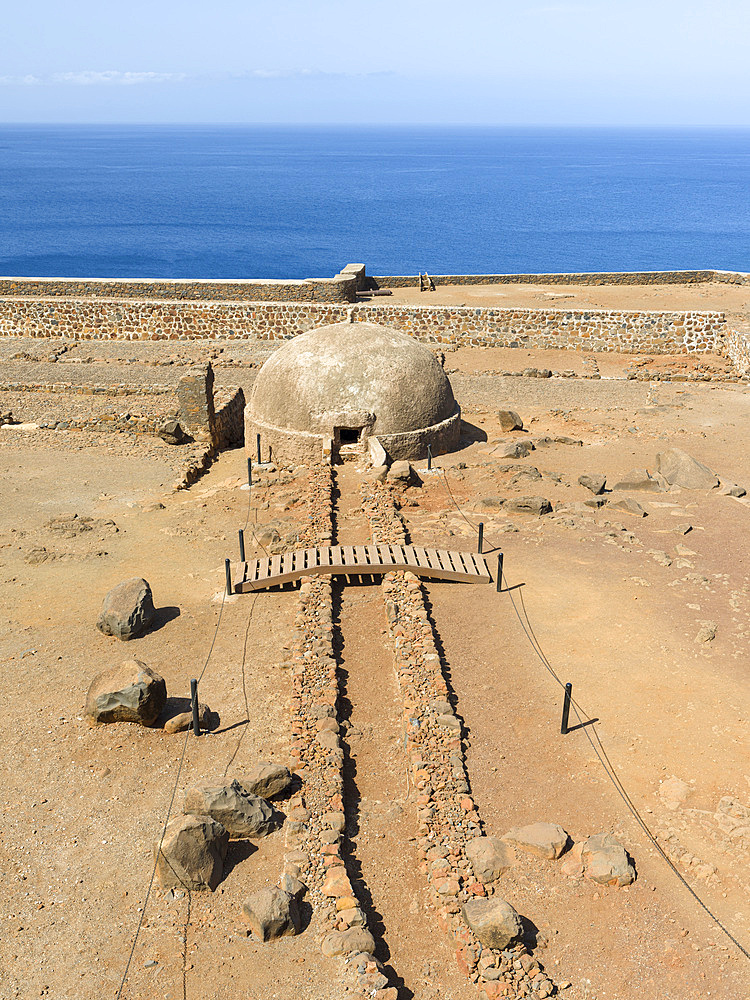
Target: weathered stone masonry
{"points": [[592, 330]]}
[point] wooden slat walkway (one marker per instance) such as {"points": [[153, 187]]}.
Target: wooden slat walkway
{"points": [[358, 560]]}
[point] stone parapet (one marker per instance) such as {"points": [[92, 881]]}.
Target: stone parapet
{"points": [[341, 288], [573, 278]]}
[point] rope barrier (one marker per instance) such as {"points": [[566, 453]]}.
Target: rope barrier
{"points": [[597, 745], [173, 795]]}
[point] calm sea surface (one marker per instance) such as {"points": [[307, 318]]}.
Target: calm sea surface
{"points": [[231, 202]]}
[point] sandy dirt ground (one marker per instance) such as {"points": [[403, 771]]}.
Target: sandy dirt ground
{"points": [[734, 300], [616, 601]]}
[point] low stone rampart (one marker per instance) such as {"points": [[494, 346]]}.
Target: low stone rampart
{"points": [[592, 330], [572, 278], [341, 288]]}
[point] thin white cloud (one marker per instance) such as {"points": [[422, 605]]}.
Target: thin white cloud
{"points": [[117, 78]]}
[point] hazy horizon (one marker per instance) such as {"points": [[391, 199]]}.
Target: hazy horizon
{"points": [[607, 63]]}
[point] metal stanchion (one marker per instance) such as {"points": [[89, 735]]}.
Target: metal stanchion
{"points": [[194, 701], [228, 571], [249, 472], [429, 457], [257, 442], [499, 572], [242, 545], [566, 709], [480, 539]]}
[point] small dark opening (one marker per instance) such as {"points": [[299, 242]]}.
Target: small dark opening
{"points": [[349, 435]]}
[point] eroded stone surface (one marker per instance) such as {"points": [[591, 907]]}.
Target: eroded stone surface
{"points": [[132, 692]]}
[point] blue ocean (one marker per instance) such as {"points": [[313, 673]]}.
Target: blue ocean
{"points": [[273, 202]]}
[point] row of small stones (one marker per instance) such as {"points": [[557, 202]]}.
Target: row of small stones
{"points": [[87, 390], [631, 376], [448, 817], [316, 820]]}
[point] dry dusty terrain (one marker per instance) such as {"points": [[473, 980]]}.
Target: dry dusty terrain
{"points": [[734, 300], [616, 602]]}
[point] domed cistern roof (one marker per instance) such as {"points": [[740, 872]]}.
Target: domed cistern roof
{"points": [[343, 383]]}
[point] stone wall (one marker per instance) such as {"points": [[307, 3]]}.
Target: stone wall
{"points": [[592, 330], [229, 418], [341, 288], [737, 349], [581, 278]]}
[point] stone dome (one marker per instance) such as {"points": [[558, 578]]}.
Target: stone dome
{"points": [[347, 382]]}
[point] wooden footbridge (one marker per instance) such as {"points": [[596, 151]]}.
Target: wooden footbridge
{"points": [[356, 560]]}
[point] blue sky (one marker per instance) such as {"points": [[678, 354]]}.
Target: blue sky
{"points": [[431, 61]]}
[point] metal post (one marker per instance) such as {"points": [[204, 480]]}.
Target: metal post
{"points": [[499, 572], [429, 457], [194, 702], [566, 709], [257, 442], [242, 545], [480, 539], [228, 571], [249, 472]]}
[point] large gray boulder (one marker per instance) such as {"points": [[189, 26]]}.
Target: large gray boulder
{"points": [[545, 840], [680, 469], [606, 861], [266, 779], [271, 913], [509, 420], [132, 692], [242, 814], [593, 481], [128, 609], [192, 853], [489, 857], [494, 921]]}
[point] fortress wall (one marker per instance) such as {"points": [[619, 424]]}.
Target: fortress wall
{"points": [[342, 288], [583, 278], [738, 349], [633, 331]]}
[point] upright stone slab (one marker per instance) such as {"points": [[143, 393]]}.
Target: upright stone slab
{"points": [[195, 398]]}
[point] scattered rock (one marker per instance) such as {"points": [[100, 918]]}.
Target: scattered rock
{"points": [[673, 793], [630, 506], [524, 474], [402, 473], [192, 853], [528, 505], [172, 432], [606, 861], [266, 779], [494, 921], [594, 482], [564, 439], [707, 633], [489, 857], [355, 939], [680, 469], [242, 814], [132, 692], [184, 720], [128, 609], [732, 490], [271, 913], [491, 503], [572, 864], [638, 479], [545, 840], [509, 420], [512, 449]]}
